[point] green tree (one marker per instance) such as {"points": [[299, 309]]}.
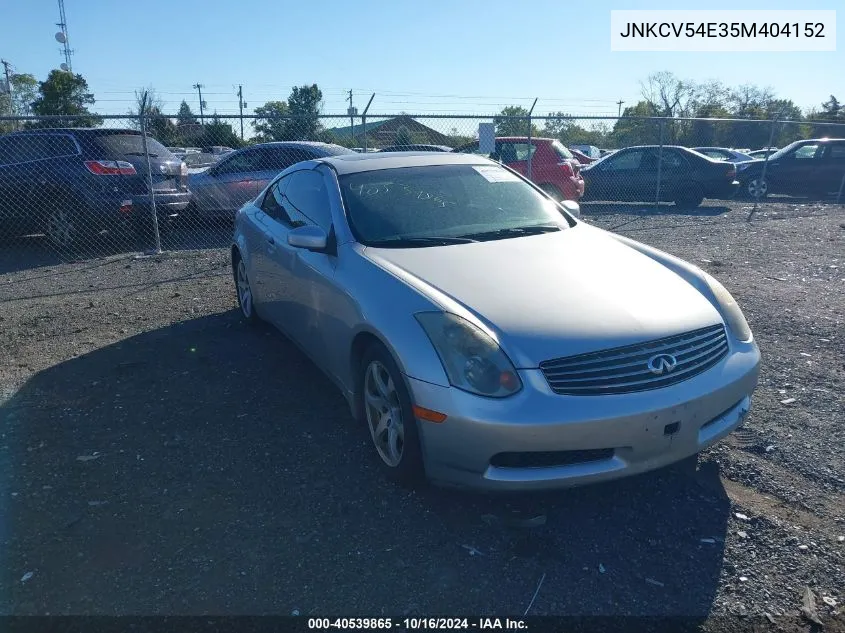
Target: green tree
{"points": [[513, 121], [636, 132], [218, 132], [24, 88], [270, 123], [304, 104], [64, 93], [832, 111], [185, 116]]}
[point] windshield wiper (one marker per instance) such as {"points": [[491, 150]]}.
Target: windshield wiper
{"points": [[517, 231], [404, 242]]}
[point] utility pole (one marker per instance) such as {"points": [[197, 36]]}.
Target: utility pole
{"points": [[352, 112], [62, 38], [198, 86], [8, 86], [241, 105], [619, 103]]}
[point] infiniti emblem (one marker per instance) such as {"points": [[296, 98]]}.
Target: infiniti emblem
{"points": [[662, 364]]}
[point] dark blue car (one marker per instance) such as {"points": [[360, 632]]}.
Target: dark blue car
{"points": [[71, 183]]}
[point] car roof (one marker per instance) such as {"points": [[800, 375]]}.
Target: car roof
{"points": [[354, 163], [77, 130]]}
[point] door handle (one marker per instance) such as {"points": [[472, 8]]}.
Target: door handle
{"points": [[271, 241]]}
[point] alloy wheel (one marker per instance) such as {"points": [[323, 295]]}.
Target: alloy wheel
{"points": [[244, 290], [60, 228], [384, 413]]}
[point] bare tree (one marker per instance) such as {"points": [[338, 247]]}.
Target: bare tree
{"points": [[670, 95]]}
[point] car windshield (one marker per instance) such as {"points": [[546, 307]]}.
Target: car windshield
{"points": [[336, 150], [416, 206], [782, 152]]}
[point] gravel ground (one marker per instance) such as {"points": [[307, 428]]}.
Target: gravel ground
{"points": [[160, 457]]}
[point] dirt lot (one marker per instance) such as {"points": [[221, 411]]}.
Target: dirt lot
{"points": [[160, 457]]}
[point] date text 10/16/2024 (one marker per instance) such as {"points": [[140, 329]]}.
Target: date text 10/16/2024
{"points": [[421, 623]]}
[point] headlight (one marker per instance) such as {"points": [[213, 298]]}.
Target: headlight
{"points": [[473, 361], [730, 310]]}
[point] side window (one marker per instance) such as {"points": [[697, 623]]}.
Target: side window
{"points": [[246, 161], [806, 152], [273, 203], [673, 159], [307, 201], [627, 161], [20, 149], [280, 158], [836, 151], [521, 150], [56, 145], [473, 149]]}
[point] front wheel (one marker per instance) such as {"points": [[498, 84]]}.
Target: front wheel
{"points": [[244, 291], [389, 415]]}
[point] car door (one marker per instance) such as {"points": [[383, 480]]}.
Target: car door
{"points": [[675, 172], [311, 292], [229, 184], [831, 170], [797, 172], [273, 259], [261, 243], [622, 176], [21, 177]]}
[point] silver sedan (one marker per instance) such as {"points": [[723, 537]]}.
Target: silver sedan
{"points": [[485, 335]]}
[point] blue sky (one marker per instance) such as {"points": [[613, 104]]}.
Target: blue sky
{"points": [[443, 56]]}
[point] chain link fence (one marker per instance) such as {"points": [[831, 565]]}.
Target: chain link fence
{"points": [[90, 186]]}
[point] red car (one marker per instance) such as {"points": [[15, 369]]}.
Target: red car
{"points": [[553, 167]]}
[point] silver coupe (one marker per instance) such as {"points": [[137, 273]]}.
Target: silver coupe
{"points": [[485, 334]]}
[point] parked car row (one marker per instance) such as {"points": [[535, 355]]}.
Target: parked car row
{"points": [[67, 182], [814, 167]]}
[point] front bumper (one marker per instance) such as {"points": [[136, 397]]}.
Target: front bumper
{"points": [[644, 431]]}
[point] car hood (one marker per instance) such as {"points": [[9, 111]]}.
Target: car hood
{"points": [[553, 295]]}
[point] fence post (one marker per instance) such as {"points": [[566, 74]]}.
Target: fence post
{"points": [[765, 163], [364, 121], [143, 117], [659, 164], [530, 112]]}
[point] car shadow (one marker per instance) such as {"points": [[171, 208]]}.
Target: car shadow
{"points": [[210, 468], [709, 208], [30, 252]]}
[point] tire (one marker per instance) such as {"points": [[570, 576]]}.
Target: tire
{"points": [[62, 223], [755, 187], [388, 413], [690, 196], [243, 290], [553, 191]]}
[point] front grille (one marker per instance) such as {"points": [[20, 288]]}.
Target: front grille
{"points": [[625, 369], [546, 459]]}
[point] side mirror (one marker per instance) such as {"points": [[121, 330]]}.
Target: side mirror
{"points": [[309, 237], [572, 207]]}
